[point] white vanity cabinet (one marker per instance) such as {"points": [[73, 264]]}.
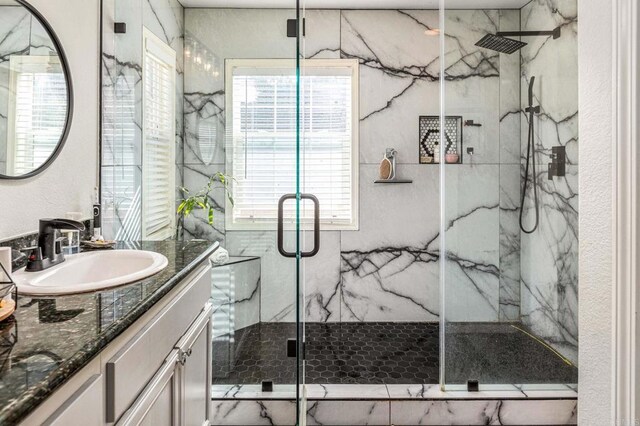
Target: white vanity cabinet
{"points": [[84, 407], [159, 404], [163, 374], [180, 391], [157, 372], [195, 371]]}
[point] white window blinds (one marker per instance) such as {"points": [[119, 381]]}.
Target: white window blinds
{"points": [[158, 169], [39, 101], [262, 155]]}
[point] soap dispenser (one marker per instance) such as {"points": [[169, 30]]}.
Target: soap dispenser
{"points": [[97, 216]]}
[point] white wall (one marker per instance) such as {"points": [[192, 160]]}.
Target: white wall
{"points": [[595, 46], [69, 183]]}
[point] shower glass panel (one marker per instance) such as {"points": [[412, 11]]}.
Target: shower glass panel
{"points": [[241, 119], [509, 149], [369, 86]]}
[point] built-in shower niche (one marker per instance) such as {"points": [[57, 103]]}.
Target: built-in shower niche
{"points": [[430, 151]]}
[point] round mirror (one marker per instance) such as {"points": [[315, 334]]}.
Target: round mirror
{"points": [[36, 99]]}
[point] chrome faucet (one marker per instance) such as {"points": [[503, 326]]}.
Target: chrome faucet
{"points": [[49, 250]]}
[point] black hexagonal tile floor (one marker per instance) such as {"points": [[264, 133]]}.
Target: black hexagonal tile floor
{"points": [[391, 353]]}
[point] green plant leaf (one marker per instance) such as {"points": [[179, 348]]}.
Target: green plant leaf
{"points": [[201, 199]]}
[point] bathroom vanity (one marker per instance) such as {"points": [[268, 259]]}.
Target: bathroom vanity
{"points": [[136, 354]]}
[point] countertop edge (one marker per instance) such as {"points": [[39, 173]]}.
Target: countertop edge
{"points": [[27, 403]]}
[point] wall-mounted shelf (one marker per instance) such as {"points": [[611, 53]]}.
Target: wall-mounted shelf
{"points": [[393, 181]]}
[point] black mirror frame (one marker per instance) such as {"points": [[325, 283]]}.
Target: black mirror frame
{"points": [[67, 76]]}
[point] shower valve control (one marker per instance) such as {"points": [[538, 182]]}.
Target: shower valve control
{"points": [[558, 161]]}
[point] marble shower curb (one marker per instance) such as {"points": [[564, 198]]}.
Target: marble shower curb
{"points": [[397, 405]]}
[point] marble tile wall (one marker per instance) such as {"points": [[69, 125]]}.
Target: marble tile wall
{"points": [[482, 243], [20, 34], [549, 256], [121, 172], [220, 34], [385, 271], [509, 171], [236, 290]]}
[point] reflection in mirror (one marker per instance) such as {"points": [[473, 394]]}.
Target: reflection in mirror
{"points": [[207, 133], [34, 92]]}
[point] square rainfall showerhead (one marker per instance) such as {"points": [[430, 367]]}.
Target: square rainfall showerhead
{"points": [[500, 44]]}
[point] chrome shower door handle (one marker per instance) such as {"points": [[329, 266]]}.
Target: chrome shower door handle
{"points": [[316, 225]]}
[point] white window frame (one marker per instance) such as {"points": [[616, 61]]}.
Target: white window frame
{"points": [[353, 64], [19, 64], [154, 45]]}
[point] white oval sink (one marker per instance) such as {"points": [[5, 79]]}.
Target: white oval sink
{"points": [[91, 271]]}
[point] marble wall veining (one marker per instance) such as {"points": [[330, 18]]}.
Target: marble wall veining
{"points": [[386, 270], [389, 271], [121, 172], [509, 172], [549, 256], [482, 245]]}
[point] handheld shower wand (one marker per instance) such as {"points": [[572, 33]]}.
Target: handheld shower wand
{"points": [[531, 158]]}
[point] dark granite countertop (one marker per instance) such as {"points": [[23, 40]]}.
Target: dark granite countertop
{"points": [[48, 340]]}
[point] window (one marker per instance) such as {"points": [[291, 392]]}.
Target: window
{"points": [[37, 112], [261, 125], [158, 148]]}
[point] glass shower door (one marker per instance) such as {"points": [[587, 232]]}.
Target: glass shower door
{"points": [[370, 304], [240, 119], [305, 214], [327, 129]]}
